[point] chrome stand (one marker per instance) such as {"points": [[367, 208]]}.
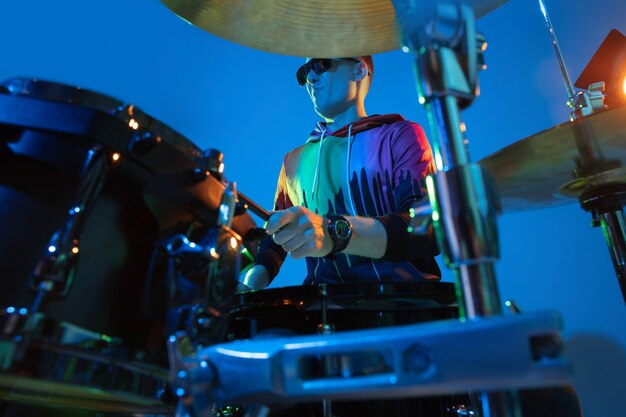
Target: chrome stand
{"points": [[448, 57], [605, 203], [54, 274]]}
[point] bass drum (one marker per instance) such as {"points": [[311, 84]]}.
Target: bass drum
{"points": [[355, 306], [97, 341]]}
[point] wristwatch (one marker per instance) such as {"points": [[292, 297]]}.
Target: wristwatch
{"points": [[340, 231]]}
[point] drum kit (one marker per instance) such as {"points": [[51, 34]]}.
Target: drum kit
{"points": [[122, 266]]}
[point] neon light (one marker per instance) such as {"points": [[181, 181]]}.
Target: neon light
{"points": [[245, 355], [305, 345], [23, 311], [52, 249], [438, 162], [10, 310]]}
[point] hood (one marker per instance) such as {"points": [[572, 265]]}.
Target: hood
{"points": [[362, 125]]}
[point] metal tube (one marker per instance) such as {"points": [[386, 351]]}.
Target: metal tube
{"points": [[480, 290], [615, 235], [497, 404], [445, 120], [559, 56]]}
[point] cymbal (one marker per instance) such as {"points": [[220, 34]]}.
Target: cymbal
{"points": [[541, 171], [314, 28]]}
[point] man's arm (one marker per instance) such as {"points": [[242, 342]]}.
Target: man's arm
{"points": [[303, 233], [269, 257]]}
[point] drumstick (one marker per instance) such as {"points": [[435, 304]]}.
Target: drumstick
{"points": [[254, 207]]}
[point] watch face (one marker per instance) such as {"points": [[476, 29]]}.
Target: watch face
{"points": [[342, 228]]}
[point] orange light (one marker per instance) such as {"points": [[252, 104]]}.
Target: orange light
{"points": [[132, 123], [116, 156], [624, 86], [75, 250], [233, 243]]}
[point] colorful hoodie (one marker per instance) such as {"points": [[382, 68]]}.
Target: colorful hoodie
{"points": [[374, 167]]}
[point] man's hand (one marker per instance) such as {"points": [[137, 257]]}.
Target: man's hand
{"points": [[300, 232]]}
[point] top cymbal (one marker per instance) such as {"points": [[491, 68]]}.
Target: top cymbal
{"points": [[541, 171], [306, 28]]}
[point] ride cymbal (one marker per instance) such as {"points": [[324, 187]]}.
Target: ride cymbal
{"points": [[544, 170], [315, 28]]}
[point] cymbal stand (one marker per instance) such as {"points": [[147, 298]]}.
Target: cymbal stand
{"points": [[606, 203], [448, 56]]}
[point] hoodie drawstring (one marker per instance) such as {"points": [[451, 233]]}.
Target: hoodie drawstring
{"points": [[317, 167], [349, 153]]}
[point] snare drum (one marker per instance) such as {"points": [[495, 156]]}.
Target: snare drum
{"points": [[326, 308], [98, 346], [353, 306]]}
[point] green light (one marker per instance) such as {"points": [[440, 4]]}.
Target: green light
{"points": [[246, 253], [430, 185], [106, 338], [435, 216], [507, 303], [412, 212], [409, 229]]}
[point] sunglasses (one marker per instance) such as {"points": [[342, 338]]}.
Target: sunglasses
{"points": [[318, 66]]}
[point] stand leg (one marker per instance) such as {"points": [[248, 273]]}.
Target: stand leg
{"points": [[444, 40]]}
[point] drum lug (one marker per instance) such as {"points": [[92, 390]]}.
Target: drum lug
{"points": [[325, 328], [143, 143], [212, 161]]}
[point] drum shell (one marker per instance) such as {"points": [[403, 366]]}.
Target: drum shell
{"points": [[38, 182]]}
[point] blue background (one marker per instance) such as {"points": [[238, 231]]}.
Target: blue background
{"points": [[247, 104]]}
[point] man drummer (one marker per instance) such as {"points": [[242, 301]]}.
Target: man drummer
{"points": [[344, 198]]}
